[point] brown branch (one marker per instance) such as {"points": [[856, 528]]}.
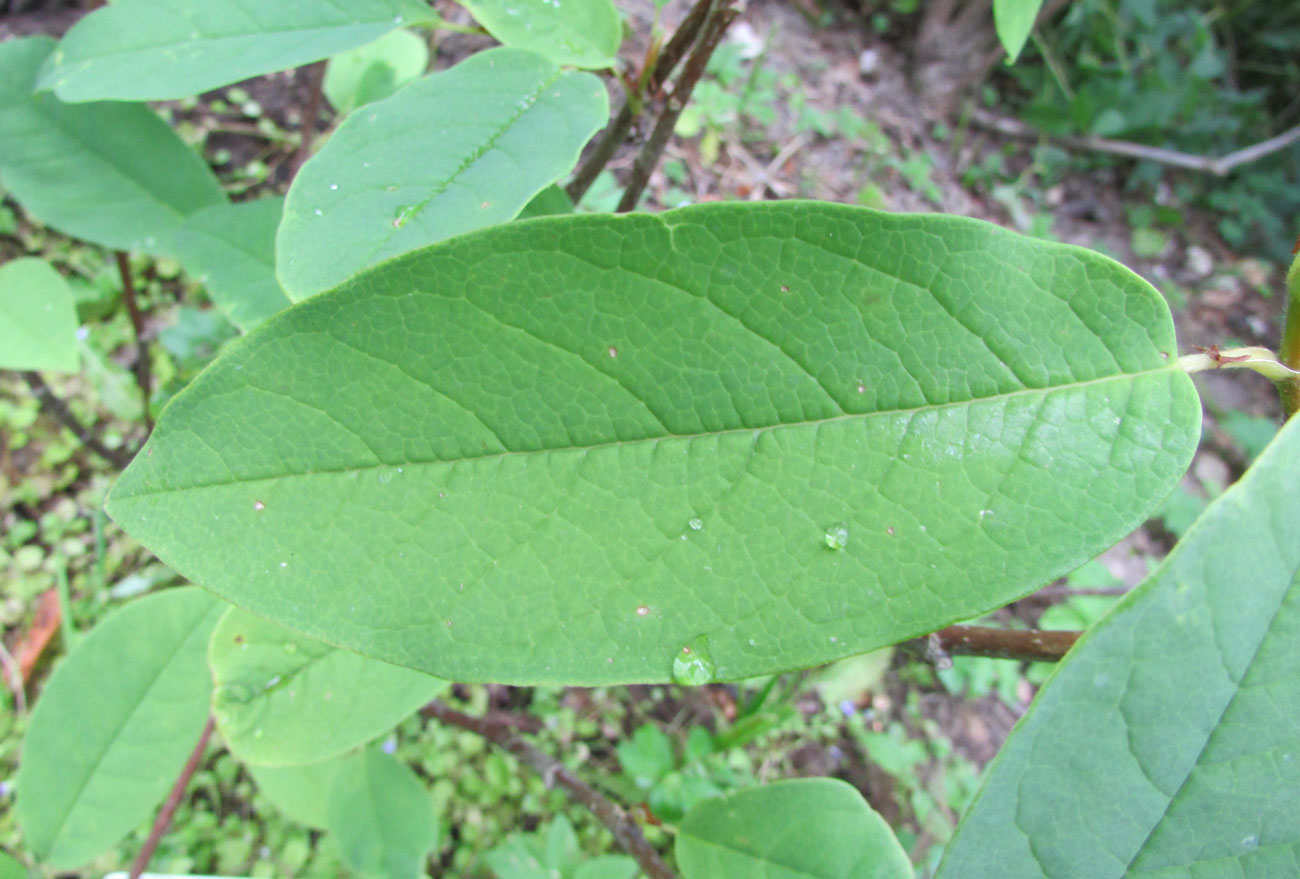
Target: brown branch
{"points": [[59, 410], [720, 18], [307, 126], [669, 57], [626, 832], [143, 371], [1021, 644], [164, 819], [1219, 166]]}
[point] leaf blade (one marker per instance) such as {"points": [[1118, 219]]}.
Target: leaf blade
{"points": [[1014, 21], [579, 33], [231, 248], [374, 71], [285, 699], [142, 50], [142, 675], [793, 829], [634, 431], [454, 151], [382, 816], [112, 174], [1183, 698], [38, 322]]}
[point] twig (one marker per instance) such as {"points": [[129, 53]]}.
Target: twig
{"points": [[59, 410], [626, 833], [143, 372], [720, 17], [14, 680], [307, 127], [164, 819], [1025, 645], [669, 57], [1068, 591], [1289, 350], [1220, 166]]}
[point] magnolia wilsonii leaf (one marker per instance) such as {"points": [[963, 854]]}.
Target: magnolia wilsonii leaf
{"points": [[1169, 734], [570, 449], [151, 50]]}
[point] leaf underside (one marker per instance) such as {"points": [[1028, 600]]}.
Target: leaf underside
{"points": [[142, 678], [284, 699], [804, 828], [1168, 742], [38, 320], [110, 173], [454, 151], [146, 50], [561, 449]]}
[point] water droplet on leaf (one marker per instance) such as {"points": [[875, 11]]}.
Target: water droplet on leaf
{"points": [[696, 523], [403, 215], [837, 535], [693, 665]]}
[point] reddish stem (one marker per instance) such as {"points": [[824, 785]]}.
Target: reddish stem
{"points": [[143, 372], [168, 810]]}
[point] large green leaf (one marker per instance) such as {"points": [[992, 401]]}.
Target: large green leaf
{"points": [[1167, 744], [804, 828], [454, 151], [301, 793], [156, 50], [231, 248], [383, 817], [38, 322], [283, 698], [114, 726], [577, 33], [113, 174], [563, 449]]}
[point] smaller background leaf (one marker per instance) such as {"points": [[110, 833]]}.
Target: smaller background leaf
{"points": [[454, 151], [382, 816], [11, 868], [575, 33], [807, 827], [110, 173], [114, 725], [231, 249], [551, 201], [38, 322], [1014, 20], [283, 698], [374, 71], [144, 50], [301, 793]]}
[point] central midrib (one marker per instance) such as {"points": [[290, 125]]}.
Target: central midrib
{"points": [[1171, 369]]}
